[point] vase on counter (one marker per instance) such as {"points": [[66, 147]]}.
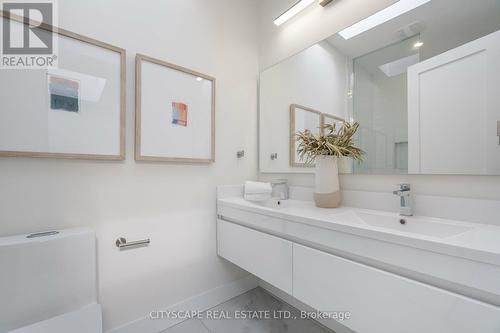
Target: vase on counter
{"points": [[327, 187]]}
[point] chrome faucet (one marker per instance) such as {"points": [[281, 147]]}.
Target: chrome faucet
{"points": [[404, 194], [281, 189]]}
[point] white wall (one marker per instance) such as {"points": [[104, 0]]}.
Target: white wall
{"points": [[172, 204], [315, 24], [320, 66]]}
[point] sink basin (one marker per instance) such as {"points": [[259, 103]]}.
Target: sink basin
{"points": [[415, 225], [389, 222]]}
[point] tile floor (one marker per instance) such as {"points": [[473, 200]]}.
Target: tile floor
{"points": [[254, 300]]}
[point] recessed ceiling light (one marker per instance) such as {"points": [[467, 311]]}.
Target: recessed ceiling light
{"points": [[199, 79], [294, 10], [387, 14], [418, 44]]}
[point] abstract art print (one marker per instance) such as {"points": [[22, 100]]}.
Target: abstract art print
{"points": [[64, 94], [175, 113], [179, 114]]}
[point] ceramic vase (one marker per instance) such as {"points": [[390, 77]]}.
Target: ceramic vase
{"points": [[327, 188]]}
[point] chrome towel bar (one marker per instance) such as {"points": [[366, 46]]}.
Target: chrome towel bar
{"points": [[122, 243]]}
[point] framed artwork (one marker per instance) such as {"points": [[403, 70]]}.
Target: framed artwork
{"points": [[74, 111], [175, 113], [302, 118]]}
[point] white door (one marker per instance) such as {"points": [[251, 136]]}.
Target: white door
{"points": [[454, 111]]}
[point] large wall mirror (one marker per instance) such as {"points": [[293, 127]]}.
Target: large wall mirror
{"points": [[423, 84]]}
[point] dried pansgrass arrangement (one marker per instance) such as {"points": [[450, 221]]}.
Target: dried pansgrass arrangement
{"points": [[335, 142]]}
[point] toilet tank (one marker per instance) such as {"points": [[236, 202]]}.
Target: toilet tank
{"points": [[46, 275]]}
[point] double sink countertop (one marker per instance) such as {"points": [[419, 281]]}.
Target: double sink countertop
{"points": [[474, 241]]}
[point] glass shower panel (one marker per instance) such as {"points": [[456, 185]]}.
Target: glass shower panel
{"points": [[380, 106]]}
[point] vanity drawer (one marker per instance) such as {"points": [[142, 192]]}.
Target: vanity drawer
{"points": [[265, 256], [384, 302]]}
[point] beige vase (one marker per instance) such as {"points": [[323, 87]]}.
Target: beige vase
{"points": [[327, 188]]}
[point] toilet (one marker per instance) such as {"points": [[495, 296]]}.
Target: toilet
{"points": [[48, 283]]}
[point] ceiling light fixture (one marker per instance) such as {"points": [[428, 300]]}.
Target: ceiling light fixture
{"points": [[387, 14], [418, 44], [294, 10], [324, 2]]}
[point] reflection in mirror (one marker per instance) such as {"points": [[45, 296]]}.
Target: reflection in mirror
{"points": [[453, 110], [316, 78], [380, 106], [422, 83], [346, 164], [328, 119], [302, 118]]}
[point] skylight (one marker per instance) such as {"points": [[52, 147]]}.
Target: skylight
{"points": [[387, 14]]}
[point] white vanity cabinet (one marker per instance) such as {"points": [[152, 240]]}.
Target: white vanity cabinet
{"points": [[311, 262], [381, 302], [265, 256], [453, 111]]}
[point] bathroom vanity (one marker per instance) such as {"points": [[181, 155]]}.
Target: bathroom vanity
{"points": [[423, 88], [393, 274]]}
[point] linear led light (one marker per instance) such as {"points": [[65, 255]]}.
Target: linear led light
{"points": [[387, 14], [294, 10], [324, 3]]}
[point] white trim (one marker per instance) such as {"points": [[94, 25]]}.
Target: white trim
{"points": [[201, 302], [85, 320]]}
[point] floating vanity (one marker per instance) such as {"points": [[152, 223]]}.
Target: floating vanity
{"points": [[394, 274]]}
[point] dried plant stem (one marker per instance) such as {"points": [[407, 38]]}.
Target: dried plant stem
{"points": [[333, 143]]}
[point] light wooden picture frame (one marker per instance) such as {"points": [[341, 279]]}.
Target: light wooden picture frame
{"points": [[174, 113], [99, 118], [345, 164], [314, 125]]}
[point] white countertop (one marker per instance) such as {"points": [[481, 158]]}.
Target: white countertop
{"points": [[481, 242]]}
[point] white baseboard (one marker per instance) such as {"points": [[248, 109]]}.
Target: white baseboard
{"points": [[329, 323], [201, 302]]}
